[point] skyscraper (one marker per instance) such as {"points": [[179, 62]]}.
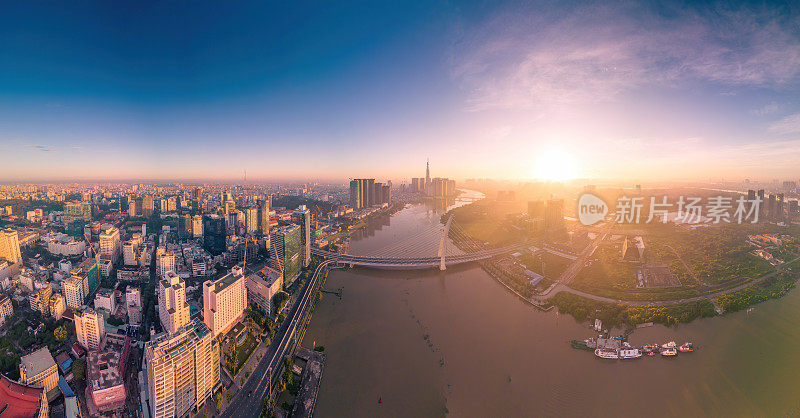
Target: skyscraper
{"points": [[148, 206], [110, 243], [224, 301], [89, 328], [214, 234], [287, 257], [173, 310], [182, 370], [427, 176], [76, 216], [9, 246], [251, 219], [355, 194], [302, 217]]}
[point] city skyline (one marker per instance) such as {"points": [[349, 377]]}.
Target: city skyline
{"points": [[502, 90]]}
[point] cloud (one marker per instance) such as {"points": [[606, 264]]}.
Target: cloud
{"points": [[596, 53], [40, 147], [788, 125], [766, 109]]}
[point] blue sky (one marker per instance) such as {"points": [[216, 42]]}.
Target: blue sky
{"points": [[331, 90]]}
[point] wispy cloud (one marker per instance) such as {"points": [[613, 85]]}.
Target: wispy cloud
{"points": [[40, 147], [766, 109], [520, 60], [788, 125]]}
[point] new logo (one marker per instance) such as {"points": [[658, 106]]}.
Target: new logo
{"points": [[591, 209]]}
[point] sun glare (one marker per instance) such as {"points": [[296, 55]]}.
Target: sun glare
{"points": [[555, 165]]}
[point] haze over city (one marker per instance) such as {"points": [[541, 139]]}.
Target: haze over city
{"points": [[548, 90]]}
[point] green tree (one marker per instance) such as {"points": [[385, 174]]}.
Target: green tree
{"points": [[79, 369], [60, 333], [268, 407]]}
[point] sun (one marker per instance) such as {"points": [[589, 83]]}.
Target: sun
{"points": [[555, 165]]}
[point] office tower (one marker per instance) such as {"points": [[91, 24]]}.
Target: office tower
{"points": [[262, 286], [172, 203], [302, 217], [751, 194], [73, 291], [224, 301], [355, 194], [105, 299], [214, 234], [287, 257], [165, 261], [132, 209], [554, 214], [9, 246], [263, 220], [386, 193], [251, 220], [182, 370], [76, 216], [90, 327], [536, 209], [148, 205], [197, 226], [197, 198], [110, 244], [162, 204], [173, 310], [370, 192]]}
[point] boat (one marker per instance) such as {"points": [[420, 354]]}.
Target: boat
{"points": [[650, 348], [589, 344], [631, 353], [670, 344], [607, 353], [669, 352], [686, 348]]}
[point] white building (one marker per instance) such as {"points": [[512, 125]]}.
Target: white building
{"points": [[173, 310], [104, 299], [74, 292], [165, 261], [182, 370], [90, 327], [262, 286], [224, 301], [110, 244]]}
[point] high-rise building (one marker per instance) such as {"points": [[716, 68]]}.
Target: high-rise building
{"points": [[9, 246], [165, 261], [148, 205], [7, 309], [214, 234], [286, 257], [427, 176], [302, 217], [110, 244], [133, 210], [262, 286], [58, 306], [554, 215], [182, 370], [173, 310], [197, 226], [251, 219], [263, 217], [74, 293], [76, 216], [355, 194], [90, 327], [224, 301]]}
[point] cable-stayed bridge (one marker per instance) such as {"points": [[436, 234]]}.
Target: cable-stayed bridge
{"points": [[435, 246]]}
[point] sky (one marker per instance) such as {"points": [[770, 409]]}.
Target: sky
{"points": [[336, 90]]}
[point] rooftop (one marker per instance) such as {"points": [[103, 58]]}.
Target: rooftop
{"points": [[37, 362], [18, 400], [103, 365]]}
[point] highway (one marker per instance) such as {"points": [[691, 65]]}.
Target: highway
{"points": [[268, 368]]}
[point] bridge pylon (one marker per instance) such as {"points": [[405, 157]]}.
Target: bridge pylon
{"points": [[443, 243]]}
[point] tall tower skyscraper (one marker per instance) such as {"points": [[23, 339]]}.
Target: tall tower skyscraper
{"points": [[427, 175]]}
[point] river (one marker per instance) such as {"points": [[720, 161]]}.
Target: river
{"points": [[430, 343]]}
